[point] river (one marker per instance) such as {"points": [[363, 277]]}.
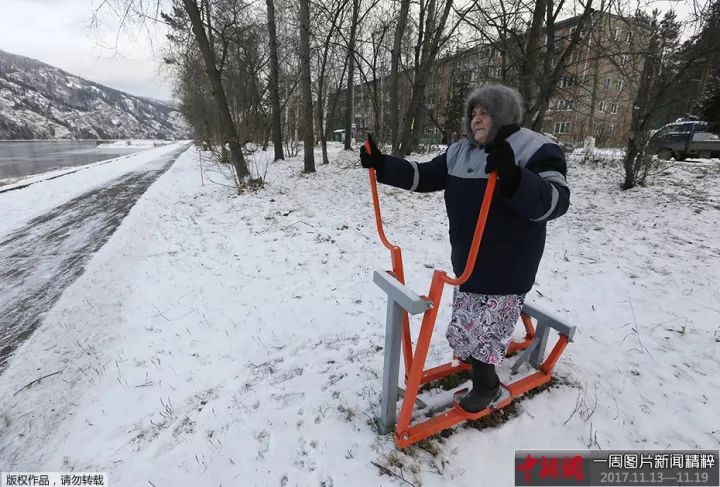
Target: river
{"points": [[24, 158]]}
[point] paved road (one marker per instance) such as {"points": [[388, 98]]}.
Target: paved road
{"points": [[40, 260]]}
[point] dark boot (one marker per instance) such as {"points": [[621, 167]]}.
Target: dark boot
{"points": [[486, 387]]}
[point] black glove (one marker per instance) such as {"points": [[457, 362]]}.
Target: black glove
{"points": [[374, 158], [501, 159]]}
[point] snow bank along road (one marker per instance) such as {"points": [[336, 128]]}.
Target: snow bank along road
{"points": [[40, 259]]}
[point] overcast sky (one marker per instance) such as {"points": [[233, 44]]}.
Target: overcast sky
{"points": [[58, 32]]}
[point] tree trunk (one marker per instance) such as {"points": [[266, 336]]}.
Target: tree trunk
{"points": [[321, 98], [323, 133], [274, 83], [226, 122], [333, 105], [306, 88], [529, 65], [642, 109], [547, 84], [594, 97], [631, 153], [395, 76], [415, 115], [349, 106]]}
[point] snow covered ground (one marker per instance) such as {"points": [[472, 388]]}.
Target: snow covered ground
{"points": [[146, 143], [219, 339]]}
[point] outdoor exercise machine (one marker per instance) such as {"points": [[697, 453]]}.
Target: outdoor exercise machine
{"points": [[402, 302]]}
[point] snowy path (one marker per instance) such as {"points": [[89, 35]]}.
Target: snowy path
{"points": [[47, 254]]}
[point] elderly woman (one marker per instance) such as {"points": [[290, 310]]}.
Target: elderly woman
{"points": [[531, 190]]}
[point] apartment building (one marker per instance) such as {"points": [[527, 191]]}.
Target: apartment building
{"points": [[594, 95]]}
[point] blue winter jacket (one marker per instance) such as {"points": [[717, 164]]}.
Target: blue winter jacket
{"points": [[514, 237]]}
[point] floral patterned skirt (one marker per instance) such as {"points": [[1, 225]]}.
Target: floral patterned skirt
{"points": [[482, 325]]}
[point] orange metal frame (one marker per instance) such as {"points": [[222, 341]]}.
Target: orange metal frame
{"points": [[415, 375]]}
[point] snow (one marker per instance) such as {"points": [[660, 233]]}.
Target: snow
{"points": [[237, 340], [145, 143]]}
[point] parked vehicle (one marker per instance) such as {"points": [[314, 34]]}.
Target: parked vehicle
{"points": [[566, 146], [681, 140]]}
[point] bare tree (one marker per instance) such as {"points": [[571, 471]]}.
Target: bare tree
{"points": [[202, 30], [218, 91], [351, 74], [665, 67], [395, 76], [333, 17], [306, 86], [274, 82], [373, 70], [190, 82], [432, 36], [557, 59], [534, 57]]}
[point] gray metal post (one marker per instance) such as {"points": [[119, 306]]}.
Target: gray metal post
{"points": [[399, 297], [524, 356], [391, 370], [535, 353], [538, 353]]}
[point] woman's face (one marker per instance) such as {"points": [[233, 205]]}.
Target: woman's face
{"points": [[480, 124]]}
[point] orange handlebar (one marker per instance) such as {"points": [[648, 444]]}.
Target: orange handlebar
{"points": [[477, 236], [376, 205]]}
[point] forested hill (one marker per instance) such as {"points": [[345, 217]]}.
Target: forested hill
{"points": [[39, 101]]}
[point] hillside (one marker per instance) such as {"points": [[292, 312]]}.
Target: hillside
{"points": [[39, 101]]}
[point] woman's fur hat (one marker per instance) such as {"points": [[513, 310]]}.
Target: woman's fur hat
{"points": [[504, 104]]}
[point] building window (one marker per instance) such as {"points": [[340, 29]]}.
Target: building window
{"points": [[566, 105], [497, 72], [566, 81], [613, 108], [605, 130], [602, 106], [624, 60], [562, 127], [575, 57], [627, 37], [619, 85], [607, 83], [616, 33]]}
